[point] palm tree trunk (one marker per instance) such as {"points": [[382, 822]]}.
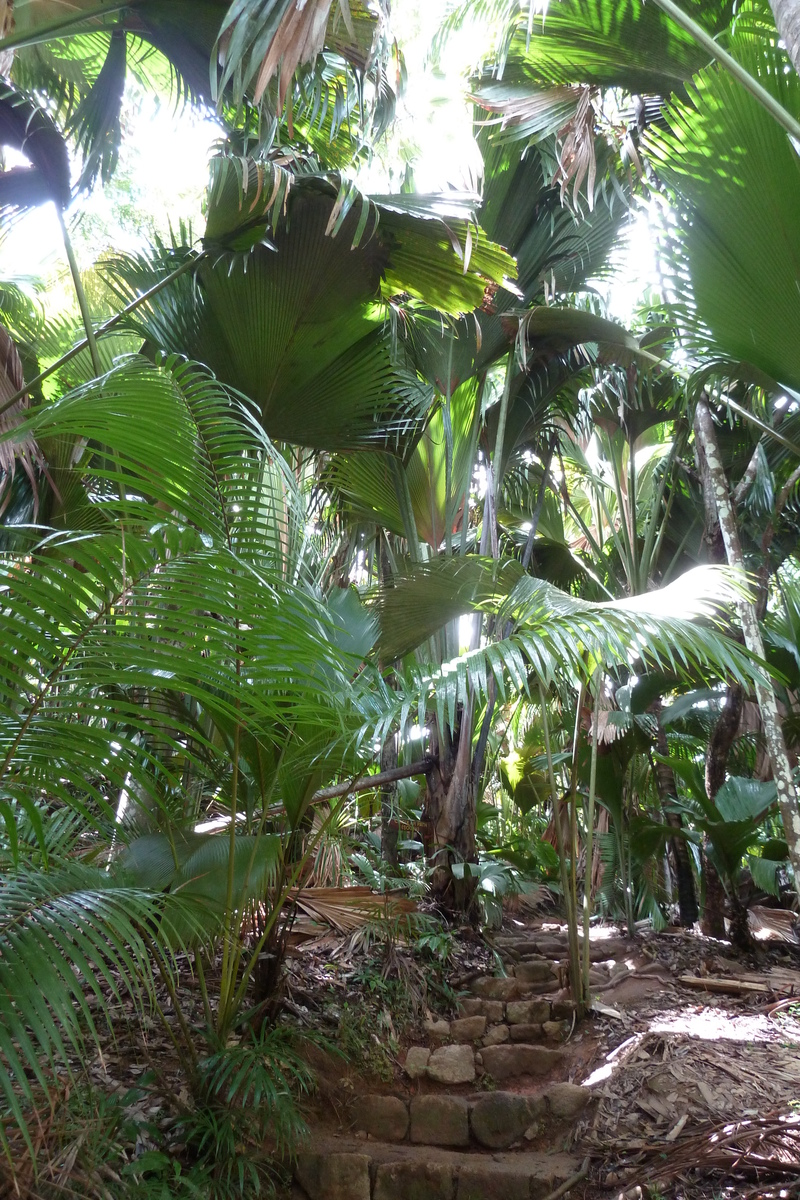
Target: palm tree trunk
{"points": [[389, 824], [450, 815], [719, 749], [787, 19], [667, 790], [765, 694]]}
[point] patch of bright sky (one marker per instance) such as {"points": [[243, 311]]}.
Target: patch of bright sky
{"points": [[161, 178], [163, 170]]}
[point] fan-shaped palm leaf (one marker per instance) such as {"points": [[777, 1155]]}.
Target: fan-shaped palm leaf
{"points": [[298, 328], [738, 175]]}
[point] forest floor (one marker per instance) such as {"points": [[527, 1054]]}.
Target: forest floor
{"points": [[691, 1056], [683, 1083]]}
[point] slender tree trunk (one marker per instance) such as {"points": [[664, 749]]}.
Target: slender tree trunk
{"points": [[787, 19], [727, 726], [389, 824], [665, 781], [765, 694], [719, 749]]}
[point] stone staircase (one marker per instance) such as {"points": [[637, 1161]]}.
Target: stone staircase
{"points": [[475, 1100]]}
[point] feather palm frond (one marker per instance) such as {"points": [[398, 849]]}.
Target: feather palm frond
{"points": [[67, 937]]}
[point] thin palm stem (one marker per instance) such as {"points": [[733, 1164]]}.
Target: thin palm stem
{"points": [[765, 98], [587, 883], [83, 303]]}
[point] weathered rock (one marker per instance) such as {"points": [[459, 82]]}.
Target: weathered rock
{"points": [[553, 947], [453, 1064], [493, 1010], [527, 1012], [385, 1117], [521, 946], [333, 1176], [539, 989], [440, 1121], [556, 1031], [496, 1035], [416, 1063], [535, 971], [526, 1033], [413, 1181], [488, 1183], [505, 1062], [436, 1029], [471, 1007], [467, 1029], [562, 1010], [490, 988], [532, 1132], [567, 1099], [500, 1118]]}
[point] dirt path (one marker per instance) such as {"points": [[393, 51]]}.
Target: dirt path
{"points": [[684, 1082]]}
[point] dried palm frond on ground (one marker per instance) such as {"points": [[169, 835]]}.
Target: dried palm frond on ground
{"points": [[345, 909], [762, 1146], [665, 1082], [775, 923]]}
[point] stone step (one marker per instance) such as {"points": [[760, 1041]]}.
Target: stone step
{"points": [[495, 1120], [549, 947], [348, 1169], [501, 1060]]}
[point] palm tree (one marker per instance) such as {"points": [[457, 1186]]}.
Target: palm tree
{"points": [[716, 208]]}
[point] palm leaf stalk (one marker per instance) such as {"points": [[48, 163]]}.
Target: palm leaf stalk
{"points": [[717, 488], [587, 886], [765, 98], [83, 303], [143, 298], [61, 26], [566, 888]]}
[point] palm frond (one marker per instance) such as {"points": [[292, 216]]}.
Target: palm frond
{"points": [[556, 637], [739, 239], [27, 127], [66, 937], [192, 606]]}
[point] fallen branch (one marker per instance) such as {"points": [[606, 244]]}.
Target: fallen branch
{"points": [[737, 987], [570, 1183]]}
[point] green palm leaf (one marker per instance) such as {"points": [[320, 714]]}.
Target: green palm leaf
{"points": [[299, 328], [65, 937], [195, 606], [738, 176], [611, 43], [556, 636]]}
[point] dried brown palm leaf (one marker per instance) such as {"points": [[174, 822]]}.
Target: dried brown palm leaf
{"points": [[529, 113], [6, 29], [576, 151], [260, 39], [298, 39], [777, 924], [25, 452], [762, 1147], [348, 908]]}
